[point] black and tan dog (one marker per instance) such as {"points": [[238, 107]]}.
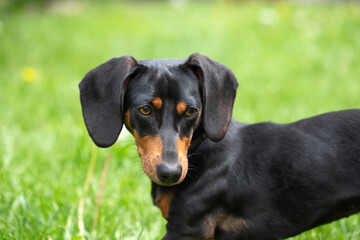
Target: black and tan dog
{"points": [[214, 177]]}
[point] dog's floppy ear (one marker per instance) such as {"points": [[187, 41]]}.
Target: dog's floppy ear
{"points": [[101, 94], [218, 94]]}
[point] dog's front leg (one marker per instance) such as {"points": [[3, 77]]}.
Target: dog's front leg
{"points": [[221, 235], [177, 236]]}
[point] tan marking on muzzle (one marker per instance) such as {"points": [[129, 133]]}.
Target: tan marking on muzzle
{"points": [[182, 145], [150, 151], [181, 108], [163, 201], [157, 103]]}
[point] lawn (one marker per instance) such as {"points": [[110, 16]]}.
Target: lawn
{"points": [[292, 61]]}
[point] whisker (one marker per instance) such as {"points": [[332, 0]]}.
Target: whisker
{"points": [[191, 168], [194, 154]]}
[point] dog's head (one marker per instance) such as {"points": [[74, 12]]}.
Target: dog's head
{"points": [[162, 102]]}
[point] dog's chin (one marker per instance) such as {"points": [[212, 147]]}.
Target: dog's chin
{"points": [[157, 181], [166, 184]]}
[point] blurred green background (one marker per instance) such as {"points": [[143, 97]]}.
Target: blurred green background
{"points": [[292, 60]]}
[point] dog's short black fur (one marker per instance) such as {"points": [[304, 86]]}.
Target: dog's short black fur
{"points": [[213, 177]]}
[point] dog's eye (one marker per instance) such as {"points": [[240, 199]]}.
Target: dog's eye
{"points": [[145, 110], [190, 112]]}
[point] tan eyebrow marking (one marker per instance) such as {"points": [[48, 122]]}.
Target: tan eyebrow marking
{"points": [[181, 108], [157, 102]]}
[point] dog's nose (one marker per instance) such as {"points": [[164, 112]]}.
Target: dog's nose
{"points": [[168, 173]]}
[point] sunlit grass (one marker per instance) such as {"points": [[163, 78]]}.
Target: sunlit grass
{"points": [[292, 61]]}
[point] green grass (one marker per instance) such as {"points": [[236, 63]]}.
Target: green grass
{"points": [[292, 61]]}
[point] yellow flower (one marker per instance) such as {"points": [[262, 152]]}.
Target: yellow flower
{"points": [[29, 74]]}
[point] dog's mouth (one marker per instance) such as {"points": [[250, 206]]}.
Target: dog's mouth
{"points": [[162, 171]]}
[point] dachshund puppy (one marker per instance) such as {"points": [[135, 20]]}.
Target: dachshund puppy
{"points": [[213, 177]]}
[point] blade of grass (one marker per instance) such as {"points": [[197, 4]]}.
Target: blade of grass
{"points": [[67, 235], [101, 190], [89, 175]]}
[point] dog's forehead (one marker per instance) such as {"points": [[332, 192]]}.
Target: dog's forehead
{"points": [[164, 79]]}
